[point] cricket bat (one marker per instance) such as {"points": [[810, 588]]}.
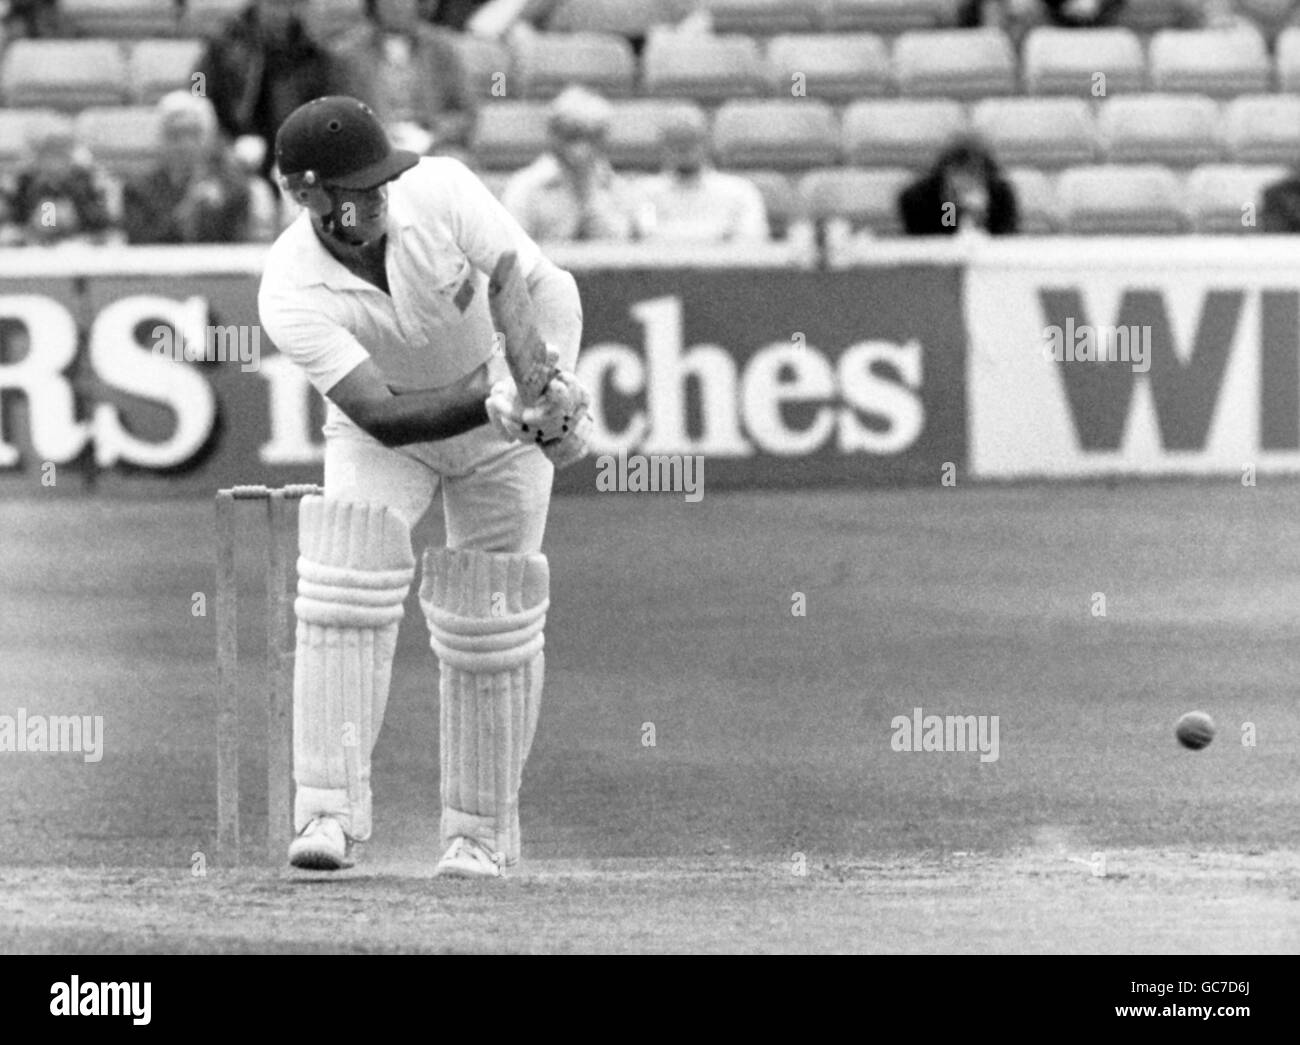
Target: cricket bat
{"points": [[512, 313]]}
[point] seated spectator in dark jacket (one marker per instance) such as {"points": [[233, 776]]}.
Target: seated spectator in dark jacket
{"points": [[1022, 14], [406, 70], [1281, 206], [30, 18], [964, 191], [198, 193], [262, 66], [58, 194]]}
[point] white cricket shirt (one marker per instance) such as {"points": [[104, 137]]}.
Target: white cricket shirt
{"points": [[445, 234]]}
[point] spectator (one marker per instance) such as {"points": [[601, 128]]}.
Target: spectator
{"points": [[1280, 209], [198, 192], [407, 71], [691, 202], [964, 191], [58, 194], [30, 18], [572, 192], [263, 65], [1019, 15]]}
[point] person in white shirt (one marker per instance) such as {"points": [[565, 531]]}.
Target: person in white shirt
{"points": [[690, 202], [378, 290], [572, 192]]}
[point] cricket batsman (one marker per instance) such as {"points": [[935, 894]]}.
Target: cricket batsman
{"points": [[380, 291]]}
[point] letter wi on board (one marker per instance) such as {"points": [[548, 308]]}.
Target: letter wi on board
{"points": [[1211, 382]]}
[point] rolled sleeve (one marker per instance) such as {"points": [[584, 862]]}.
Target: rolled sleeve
{"points": [[326, 351]]}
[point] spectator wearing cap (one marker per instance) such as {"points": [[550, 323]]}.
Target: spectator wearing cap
{"points": [[58, 194], [571, 192], [407, 71], [964, 191], [263, 65], [690, 202], [198, 192]]}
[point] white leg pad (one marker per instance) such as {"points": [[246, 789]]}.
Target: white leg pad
{"points": [[355, 567], [486, 614]]}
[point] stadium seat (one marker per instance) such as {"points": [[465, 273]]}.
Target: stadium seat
{"points": [[785, 207], [510, 134], [1067, 61], [1148, 16], [785, 134], [1040, 132], [634, 131], [15, 125], [63, 74], [900, 132], [1219, 195], [962, 63], [205, 18], [485, 66], [624, 17], [1040, 214], [839, 67], [1114, 199], [546, 63], [1181, 129], [763, 17], [1210, 61], [859, 198], [158, 66], [129, 19], [1263, 128], [327, 19], [1288, 59], [124, 139], [705, 67], [888, 16]]}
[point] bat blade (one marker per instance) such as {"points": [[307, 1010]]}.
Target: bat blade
{"points": [[512, 313]]}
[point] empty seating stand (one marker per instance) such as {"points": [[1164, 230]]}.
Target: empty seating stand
{"points": [[1176, 129], [1083, 63], [958, 63], [1039, 132], [546, 63], [1225, 198], [778, 134], [1219, 62], [900, 132], [64, 74], [1122, 200], [836, 67], [710, 69]]}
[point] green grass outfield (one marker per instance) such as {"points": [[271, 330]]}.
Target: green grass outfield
{"points": [[772, 732]]}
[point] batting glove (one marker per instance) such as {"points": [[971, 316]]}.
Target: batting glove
{"points": [[505, 411], [573, 446]]}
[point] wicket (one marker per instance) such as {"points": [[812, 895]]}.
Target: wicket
{"points": [[281, 552]]}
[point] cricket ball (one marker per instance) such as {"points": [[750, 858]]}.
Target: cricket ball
{"points": [[1195, 730]]}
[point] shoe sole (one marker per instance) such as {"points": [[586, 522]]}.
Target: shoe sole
{"points": [[461, 871], [315, 860]]}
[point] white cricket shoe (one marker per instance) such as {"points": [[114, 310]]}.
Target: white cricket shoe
{"points": [[321, 846], [467, 858]]}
